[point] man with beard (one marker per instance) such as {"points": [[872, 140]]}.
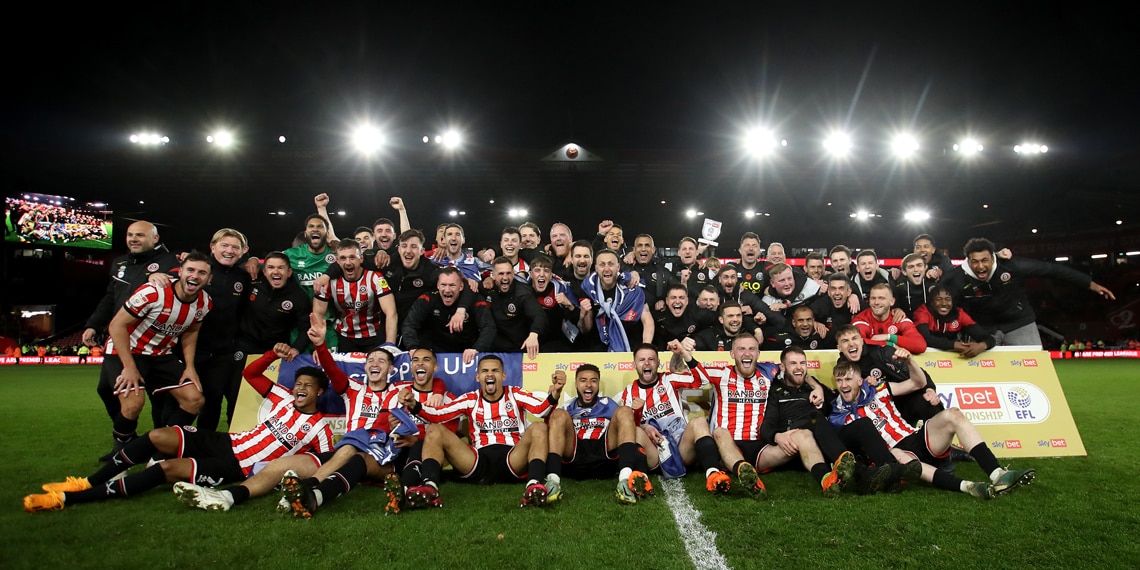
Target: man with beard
{"points": [[450, 319], [878, 325], [563, 318], [654, 277], [741, 394], [804, 333], [561, 238], [750, 273], [362, 302], [687, 268], [834, 310], [753, 307], [927, 444], [145, 256], [141, 346], [413, 276], [384, 234], [912, 289], [312, 258], [451, 254], [790, 407], [504, 445], [994, 293], [519, 320], [680, 321], [292, 425], [663, 417], [732, 323], [600, 438], [620, 315]]}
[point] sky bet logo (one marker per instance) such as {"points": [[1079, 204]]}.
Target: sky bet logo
{"points": [[813, 365], [1027, 362], [982, 363], [530, 367]]}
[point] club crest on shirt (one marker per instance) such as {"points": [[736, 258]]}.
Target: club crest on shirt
{"points": [[138, 300], [287, 305], [892, 329], [152, 267], [417, 283], [1005, 277], [238, 287], [511, 308], [330, 258]]}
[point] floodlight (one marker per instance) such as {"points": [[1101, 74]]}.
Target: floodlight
{"points": [[838, 144], [367, 139], [904, 146], [917, 216], [968, 147], [452, 139], [761, 142]]}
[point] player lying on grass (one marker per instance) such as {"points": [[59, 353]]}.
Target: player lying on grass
{"points": [[594, 437], [928, 444], [208, 457], [504, 447]]}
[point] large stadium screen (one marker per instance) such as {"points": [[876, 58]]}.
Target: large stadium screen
{"points": [[42, 219]]}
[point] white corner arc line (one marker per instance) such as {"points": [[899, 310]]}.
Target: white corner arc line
{"points": [[700, 542]]}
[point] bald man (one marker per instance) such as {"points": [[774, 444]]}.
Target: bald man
{"points": [[145, 256]]}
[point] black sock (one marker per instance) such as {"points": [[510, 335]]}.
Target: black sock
{"points": [[431, 470], [627, 455], [707, 453], [536, 470], [736, 466], [130, 485], [411, 475], [985, 458], [124, 429], [820, 470], [343, 480], [240, 493], [139, 450], [944, 480], [180, 417], [554, 464]]}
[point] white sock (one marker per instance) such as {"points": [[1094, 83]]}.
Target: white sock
{"points": [[319, 496], [995, 474], [710, 471], [553, 477], [626, 473]]}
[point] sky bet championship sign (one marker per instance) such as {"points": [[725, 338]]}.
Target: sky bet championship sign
{"points": [[1012, 396]]}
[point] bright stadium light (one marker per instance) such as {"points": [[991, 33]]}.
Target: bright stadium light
{"points": [[917, 216], [762, 142], [1062, 258], [1098, 256], [281, 139], [904, 146], [452, 139], [367, 139], [863, 215], [517, 212], [691, 213], [224, 139], [1030, 148], [968, 147], [149, 139], [838, 144]]}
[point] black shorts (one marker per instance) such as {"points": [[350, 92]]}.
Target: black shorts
{"points": [[492, 466], [591, 460], [915, 444], [750, 449], [212, 454], [159, 373], [345, 344]]}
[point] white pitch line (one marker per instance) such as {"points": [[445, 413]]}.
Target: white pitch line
{"points": [[700, 542]]}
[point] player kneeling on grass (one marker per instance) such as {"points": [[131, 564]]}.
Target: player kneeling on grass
{"points": [[859, 399], [209, 457], [663, 417], [504, 446], [587, 431]]}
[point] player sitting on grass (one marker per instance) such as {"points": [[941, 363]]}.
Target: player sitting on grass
{"points": [[504, 445], [928, 444], [585, 433], [663, 417], [293, 425]]}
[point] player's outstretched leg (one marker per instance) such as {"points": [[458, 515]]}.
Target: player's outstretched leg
{"points": [[203, 498], [394, 490], [750, 480], [302, 501]]}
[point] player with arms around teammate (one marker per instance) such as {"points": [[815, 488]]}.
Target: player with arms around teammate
{"points": [[594, 436], [362, 300]]}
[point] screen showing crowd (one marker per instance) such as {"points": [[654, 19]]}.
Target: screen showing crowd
{"points": [[40, 219]]}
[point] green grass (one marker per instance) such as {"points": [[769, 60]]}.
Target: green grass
{"points": [[1079, 512]]}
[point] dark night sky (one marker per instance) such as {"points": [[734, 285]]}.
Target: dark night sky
{"points": [[532, 75]]}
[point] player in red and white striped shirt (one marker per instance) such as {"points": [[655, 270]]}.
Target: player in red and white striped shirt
{"points": [[654, 398], [141, 360], [504, 445], [293, 425], [858, 399], [364, 304]]}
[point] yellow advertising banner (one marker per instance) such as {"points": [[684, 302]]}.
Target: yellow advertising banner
{"points": [[1012, 396]]}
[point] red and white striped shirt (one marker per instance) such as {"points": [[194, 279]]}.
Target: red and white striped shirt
{"points": [[162, 318], [738, 403], [438, 386], [661, 400], [890, 423], [500, 422], [359, 301], [364, 408], [284, 431]]}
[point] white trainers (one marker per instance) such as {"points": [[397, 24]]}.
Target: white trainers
{"points": [[203, 498]]}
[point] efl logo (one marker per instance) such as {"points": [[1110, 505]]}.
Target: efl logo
{"points": [[978, 398], [1029, 362], [988, 364], [530, 367], [623, 366], [945, 364], [813, 365], [1058, 443], [1013, 444]]}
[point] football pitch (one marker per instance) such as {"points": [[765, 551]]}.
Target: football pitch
{"points": [[1080, 512]]}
